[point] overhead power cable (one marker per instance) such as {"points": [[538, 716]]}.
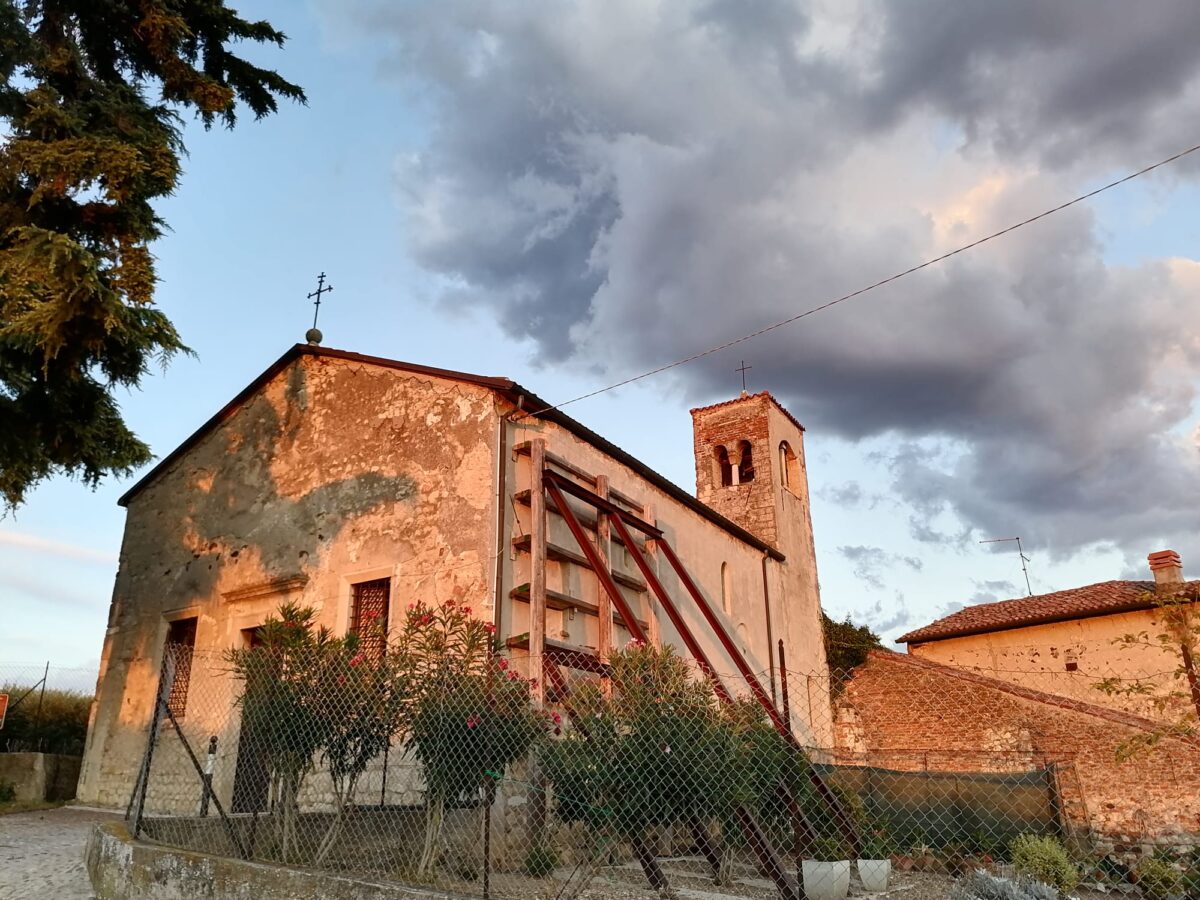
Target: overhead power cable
{"points": [[870, 287]]}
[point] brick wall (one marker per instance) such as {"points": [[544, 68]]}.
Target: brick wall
{"points": [[910, 714], [751, 505]]}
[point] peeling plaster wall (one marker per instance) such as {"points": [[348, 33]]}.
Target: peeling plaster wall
{"points": [[335, 472]]}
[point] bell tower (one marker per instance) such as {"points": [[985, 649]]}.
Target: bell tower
{"points": [[750, 468]]}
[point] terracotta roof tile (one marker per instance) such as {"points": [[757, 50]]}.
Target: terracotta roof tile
{"points": [[1105, 598], [779, 406]]}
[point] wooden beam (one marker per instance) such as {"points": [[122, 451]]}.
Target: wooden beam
{"points": [[586, 520], [561, 653], [606, 580], [537, 568], [555, 460], [604, 639], [651, 551], [559, 600], [558, 552]]}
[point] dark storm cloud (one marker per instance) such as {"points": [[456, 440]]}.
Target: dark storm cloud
{"points": [[631, 182], [1064, 80]]}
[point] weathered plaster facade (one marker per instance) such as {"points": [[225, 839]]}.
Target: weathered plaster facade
{"points": [[333, 469]]}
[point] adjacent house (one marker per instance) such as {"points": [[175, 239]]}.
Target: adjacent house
{"points": [[1071, 642], [356, 485]]}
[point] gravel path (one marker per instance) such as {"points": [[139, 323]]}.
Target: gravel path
{"points": [[41, 854]]}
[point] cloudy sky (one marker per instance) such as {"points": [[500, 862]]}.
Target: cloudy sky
{"points": [[571, 193]]}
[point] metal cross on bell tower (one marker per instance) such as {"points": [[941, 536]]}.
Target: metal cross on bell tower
{"points": [[743, 368], [313, 336]]}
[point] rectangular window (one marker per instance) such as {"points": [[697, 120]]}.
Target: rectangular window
{"points": [[369, 607], [181, 640]]}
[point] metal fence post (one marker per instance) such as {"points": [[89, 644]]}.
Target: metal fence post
{"points": [[209, 764], [166, 676]]}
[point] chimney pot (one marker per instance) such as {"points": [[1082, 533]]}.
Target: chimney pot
{"points": [[1166, 568]]}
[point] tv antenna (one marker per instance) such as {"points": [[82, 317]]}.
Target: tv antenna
{"points": [[1020, 553]]}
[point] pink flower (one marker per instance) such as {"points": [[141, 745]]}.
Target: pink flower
{"points": [[341, 679], [513, 676], [533, 682], [635, 644], [466, 610], [502, 664], [557, 719], [449, 604], [489, 628], [426, 619], [355, 660], [412, 606], [472, 721]]}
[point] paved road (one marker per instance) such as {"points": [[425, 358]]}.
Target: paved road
{"points": [[41, 854]]}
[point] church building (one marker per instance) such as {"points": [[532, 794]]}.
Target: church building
{"points": [[357, 485]]}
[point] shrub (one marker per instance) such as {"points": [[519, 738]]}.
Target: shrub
{"points": [[1191, 877], [1045, 859], [59, 727], [8, 791], [1158, 879], [541, 861], [980, 885]]}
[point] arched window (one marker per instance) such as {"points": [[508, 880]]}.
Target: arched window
{"points": [[724, 468], [745, 463], [726, 589], [789, 466]]}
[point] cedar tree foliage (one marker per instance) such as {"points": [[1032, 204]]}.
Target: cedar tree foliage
{"points": [[91, 100]]}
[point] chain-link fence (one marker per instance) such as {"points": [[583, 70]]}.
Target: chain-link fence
{"points": [[47, 707], [427, 763]]}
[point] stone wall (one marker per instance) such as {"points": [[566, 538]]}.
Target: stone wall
{"points": [[40, 777], [909, 714], [123, 869]]}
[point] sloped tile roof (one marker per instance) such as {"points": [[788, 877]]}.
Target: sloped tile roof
{"points": [[1101, 599]]}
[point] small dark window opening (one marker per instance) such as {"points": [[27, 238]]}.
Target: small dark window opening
{"points": [[745, 462], [1071, 661], [724, 467], [181, 641], [369, 615]]}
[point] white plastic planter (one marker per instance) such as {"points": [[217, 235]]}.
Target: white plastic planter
{"points": [[874, 874], [826, 880]]}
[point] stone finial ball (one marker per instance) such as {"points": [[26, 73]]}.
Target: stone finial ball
{"points": [[313, 335]]}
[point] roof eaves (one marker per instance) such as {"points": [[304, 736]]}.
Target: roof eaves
{"points": [[505, 386], [546, 411]]}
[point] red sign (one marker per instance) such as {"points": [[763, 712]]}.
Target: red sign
{"points": [[3, 708]]}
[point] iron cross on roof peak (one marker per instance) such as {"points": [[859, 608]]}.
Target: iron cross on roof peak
{"points": [[743, 368], [314, 335]]}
